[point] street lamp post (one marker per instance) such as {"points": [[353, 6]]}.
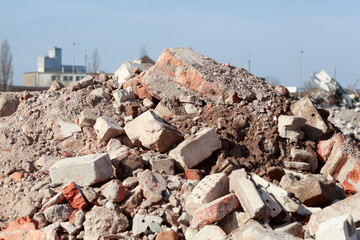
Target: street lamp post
{"points": [[301, 53], [73, 65]]}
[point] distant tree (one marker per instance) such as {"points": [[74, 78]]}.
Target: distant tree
{"points": [[95, 61], [6, 67], [310, 87], [272, 80], [143, 51]]}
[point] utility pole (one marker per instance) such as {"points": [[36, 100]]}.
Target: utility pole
{"points": [[335, 72], [86, 61], [301, 53], [73, 59], [249, 62]]}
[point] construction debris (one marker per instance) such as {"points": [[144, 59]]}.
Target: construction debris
{"points": [[187, 148]]}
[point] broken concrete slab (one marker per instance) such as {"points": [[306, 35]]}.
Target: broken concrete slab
{"points": [[64, 129], [291, 127], [210, 232], [183, 71], [315, 126], [252, 230], [208, 189], [338, 228], [107, 128], [214, 210], [343, 207], [196, 148], [84, 171], [246, 192], [152, 184], [152, 132]]}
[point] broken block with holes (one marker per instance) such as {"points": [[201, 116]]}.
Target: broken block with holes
{"points": [[315, 125], [247, 193], [196, 148], [208, 189]]}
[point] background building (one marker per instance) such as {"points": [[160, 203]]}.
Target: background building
{"points": [[50, 68]]}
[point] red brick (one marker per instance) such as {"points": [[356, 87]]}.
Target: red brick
{"points": [[20, 224], [73, 216], [193, 174], [73, 195], [142, 93], [18, 235], [348, 188], [354, 174], [214, 211], [324, 148], [43, 235], [169, 235]]}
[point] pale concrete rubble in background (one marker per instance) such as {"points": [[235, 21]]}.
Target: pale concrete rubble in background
{"points": [[65, 129], [126, 69], [107, 128], [246, 192], [208, 189], [152, 132], [8, 104], [87, 119], [124, 95], [196, 148], [85, 170]]}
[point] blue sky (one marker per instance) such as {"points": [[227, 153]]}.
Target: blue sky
{"points": [[271, 32]]}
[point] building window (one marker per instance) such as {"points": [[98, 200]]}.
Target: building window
{"points": [[78, 78], [65, 78], [53, 77], [70, 78]]}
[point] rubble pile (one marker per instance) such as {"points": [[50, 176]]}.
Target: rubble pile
{"points": [[187, 148]]}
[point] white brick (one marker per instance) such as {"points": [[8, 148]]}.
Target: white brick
{"points": [[247, 194], [338, 228], [152, 132], [208, 189], [106, 128], [196, 148], [84, 171], [124, 95], [67, 129]]}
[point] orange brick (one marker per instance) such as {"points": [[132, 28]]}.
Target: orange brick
{"points": [[20, 224], [193, 174], [354, 174], [43, 235], [348, 188], [73, 194], [16, 176]]}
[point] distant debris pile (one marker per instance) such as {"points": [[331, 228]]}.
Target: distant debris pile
{"points": [[332, 93]]}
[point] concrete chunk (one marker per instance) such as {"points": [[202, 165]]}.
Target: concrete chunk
{"points": [[307, 156], [152, 184], [84, 171], [210, 232], [196, 148], [347, 206], [152, 132], [141, 223], [87, 119], [114, 191], [315, 126], [8, 104], [208, 189], [124, 95], [126, 69], [338, 228], [247, 193], [106, 128], [272, 206]]}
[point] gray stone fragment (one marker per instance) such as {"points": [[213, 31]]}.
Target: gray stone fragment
{"points": [[58, 212]]}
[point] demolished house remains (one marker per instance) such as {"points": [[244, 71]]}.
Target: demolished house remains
{"points": [[187, 148]]}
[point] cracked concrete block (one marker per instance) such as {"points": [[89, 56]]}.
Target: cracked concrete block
{"points": [[195, 149], [343, 207], [208, 189], [84, 170], [338, 228], [247, 193], [315, 126], [150, 131], [272, 206], [107, 128], [211, 232]]}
